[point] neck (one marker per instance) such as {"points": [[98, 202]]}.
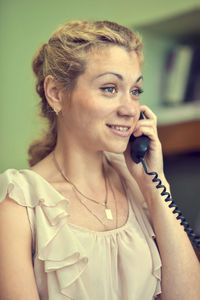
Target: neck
{"points": [[83, 168]]}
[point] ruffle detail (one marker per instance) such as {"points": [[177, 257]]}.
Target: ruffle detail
{"points": [[57, 247], [141, 212], [62, 253], [150, 238], [64, 257]]}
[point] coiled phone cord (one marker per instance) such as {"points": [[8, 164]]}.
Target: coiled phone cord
{"points": [[195, 239]]}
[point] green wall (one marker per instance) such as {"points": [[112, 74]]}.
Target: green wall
{"points": [[24, 25]]}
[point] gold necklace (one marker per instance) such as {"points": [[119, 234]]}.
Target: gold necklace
{"points": [[107, 210], [116, 222]]}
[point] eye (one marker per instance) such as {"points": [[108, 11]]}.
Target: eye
{"points": [[109, 89], [137, 91]]}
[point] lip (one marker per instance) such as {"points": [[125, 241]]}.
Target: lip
{"points": [[126, 133]]}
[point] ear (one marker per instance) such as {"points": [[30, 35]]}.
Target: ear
{"points": [[53, 93]]}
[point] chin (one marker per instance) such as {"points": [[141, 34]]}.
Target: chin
{"points": [[118, 149]]}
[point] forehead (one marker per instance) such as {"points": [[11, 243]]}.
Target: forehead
{"points": [[114, 59]]}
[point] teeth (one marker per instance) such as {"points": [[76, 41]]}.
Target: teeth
{"points": [[119, 128]]}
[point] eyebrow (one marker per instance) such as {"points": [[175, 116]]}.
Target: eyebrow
{"points": [[118, 76]]}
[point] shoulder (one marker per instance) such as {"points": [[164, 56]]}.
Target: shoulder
{"points": [[27, 188], [13, 217], [18, 185], [14, 202], [30, 190]]}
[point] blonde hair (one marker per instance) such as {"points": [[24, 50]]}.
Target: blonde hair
{"points": [[64, 57]]}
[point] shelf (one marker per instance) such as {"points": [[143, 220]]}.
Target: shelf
{"points": [[179, 26], [168, 115], [180, 138], [179, 127]]}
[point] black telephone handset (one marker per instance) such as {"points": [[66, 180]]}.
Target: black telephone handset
{"points": [[138, 148], [139, 145]]}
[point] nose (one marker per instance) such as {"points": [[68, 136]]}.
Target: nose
{"points": [[128, 107]]}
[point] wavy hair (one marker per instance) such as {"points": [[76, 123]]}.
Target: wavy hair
{"points": [[64, 57]]}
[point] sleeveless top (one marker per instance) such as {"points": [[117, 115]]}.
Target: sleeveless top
{"points": [[71, 262]]}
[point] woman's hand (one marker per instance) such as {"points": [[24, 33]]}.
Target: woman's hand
{"points": [[153, 158], [178, 278]]}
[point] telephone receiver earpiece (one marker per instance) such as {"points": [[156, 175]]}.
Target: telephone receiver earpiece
{"points": [[139, 145]]}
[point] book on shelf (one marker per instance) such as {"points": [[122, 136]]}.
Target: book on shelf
{"points": [[193, 84], [182, 75]]}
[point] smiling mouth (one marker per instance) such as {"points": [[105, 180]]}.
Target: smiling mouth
{"points": [[123, 131], [119, 127]]}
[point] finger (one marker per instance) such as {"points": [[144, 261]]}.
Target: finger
{"points": [[148, 112], [145, 123], [148, 131]]}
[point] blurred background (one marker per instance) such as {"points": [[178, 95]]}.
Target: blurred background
{"points": [[171, 36]]}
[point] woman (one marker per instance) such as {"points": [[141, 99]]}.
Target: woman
{"points": [[81, 223]]}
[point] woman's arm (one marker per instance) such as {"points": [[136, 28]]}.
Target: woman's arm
{"points": [[17, 281], [180, 266]]}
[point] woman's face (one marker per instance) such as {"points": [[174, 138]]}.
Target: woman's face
{"points": [[104, 106]]}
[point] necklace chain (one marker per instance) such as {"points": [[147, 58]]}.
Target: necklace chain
{"points": [[89, 209], [116, 212], [68, 180], [77, 191]]}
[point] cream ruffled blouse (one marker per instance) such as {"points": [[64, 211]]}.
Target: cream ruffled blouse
{"points": [[71, 262]]}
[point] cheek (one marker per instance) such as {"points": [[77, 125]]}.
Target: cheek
{"points": [[86, 110], [91, 111]]}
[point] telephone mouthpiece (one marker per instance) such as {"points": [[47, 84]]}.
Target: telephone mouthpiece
{"points": [[139, 147]]}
